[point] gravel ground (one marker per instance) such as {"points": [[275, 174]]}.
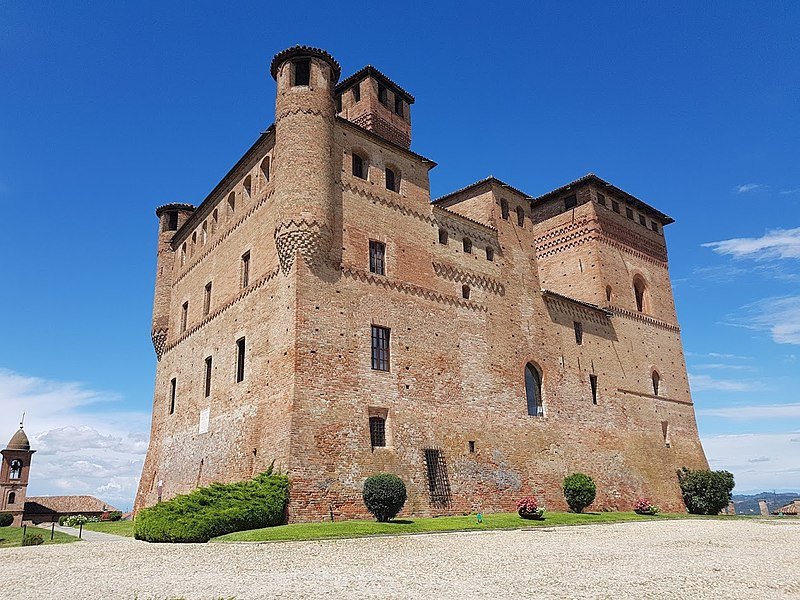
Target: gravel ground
{"points": [[664, 559]]}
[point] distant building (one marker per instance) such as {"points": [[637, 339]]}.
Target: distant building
{"points": [[791, 510], [45, 509]]}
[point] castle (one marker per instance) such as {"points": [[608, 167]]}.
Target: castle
{"points": [[318, 310]]}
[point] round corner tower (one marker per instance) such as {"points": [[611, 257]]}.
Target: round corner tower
{"points": [[304, 173]]}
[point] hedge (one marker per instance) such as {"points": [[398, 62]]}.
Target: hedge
{"points": [[215, 510]]}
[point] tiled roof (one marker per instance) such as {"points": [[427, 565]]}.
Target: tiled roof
{"points": [[793, 508], [300, 50], [489, 179], [589, 305], [367, 71], [65, 504]]}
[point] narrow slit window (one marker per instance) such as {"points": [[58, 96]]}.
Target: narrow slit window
{"points": [[207, 300], [465, 292], [392, 181], [467, 245], [240, 357], [578, 326], [184, 316], [265, 166], [504, 209], [245, 269], [173, 388], [302, 72], [656, 382], [377, 432], [593, 384], [380, 348], [248, 186], [377, 255], [207, 388], [489, 253], [665, 433], [383, 95], [231, 203], [357, 92], [520, 216], [338, 103], [533, 391], [443, 236]]}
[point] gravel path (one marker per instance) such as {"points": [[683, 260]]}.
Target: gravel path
{"points": [[664, 559], [93, 536]]}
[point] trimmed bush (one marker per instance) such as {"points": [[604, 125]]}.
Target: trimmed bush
{"points": [[215, 510], [33, 540], [579, 491], [384, 495], [705, 492], [114, 515], [6, 519]]}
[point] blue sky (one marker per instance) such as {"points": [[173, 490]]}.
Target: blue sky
{"points": [[110, 110]]}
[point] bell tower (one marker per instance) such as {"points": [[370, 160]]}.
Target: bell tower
{"points": [[14, 474]]}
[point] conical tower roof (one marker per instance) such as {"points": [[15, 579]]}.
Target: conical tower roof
{"points": [[19, 441]]}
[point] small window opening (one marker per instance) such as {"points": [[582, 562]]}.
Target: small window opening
{"points": [[578, 326], [392, 181], [601, 199], [467, 245], [377, 254], [570, 202], [654, 226], [338, 103], [12, 497], [377, 432], [357, 92], [184, 316], [183, 254], [15, 469], [465, 291], [656, 382], [173, 387], [504, 209], [640, 293], [443, 237], [240, 357], [629, 213], [380, 348], [489, 253], [520, 216], [207, 299], [615, 206], [533, 390], [231, 203], [665, 433], [214, 220], [172, 221], [245, 269], [383, 96], [593, 384], [207, 389], [398, 105], [358, 167], [265, 166], [608, 294], [642, 220], [471, 446], [248, 186], [302, 72]]}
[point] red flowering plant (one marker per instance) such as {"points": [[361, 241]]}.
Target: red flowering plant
{"points": [[643, 507], [528, 508]]}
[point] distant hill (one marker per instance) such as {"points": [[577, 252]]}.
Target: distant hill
{"points": [[748, 504]]}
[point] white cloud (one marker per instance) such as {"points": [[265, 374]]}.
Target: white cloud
{"points": [[777, 243], [703, 383], [743, 188], [729, 367], [779, 316], [744, 455], [86, 443], [754, 412], [795, 191]]}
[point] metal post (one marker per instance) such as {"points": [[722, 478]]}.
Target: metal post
{"points": [[80, 532], [24, 530], [53, 531]]}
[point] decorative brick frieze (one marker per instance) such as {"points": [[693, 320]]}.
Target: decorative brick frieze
{"points": [[643, 318], [471, 278]]}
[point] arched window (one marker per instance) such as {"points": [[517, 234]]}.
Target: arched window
{"points": [[520, 216], [656, 382], [533, 390], [204, 233], [265, 168], [183, 254], [392, 180], [608, 294], [640, 293], [12, 497], [16, 469], [468, 245], [504, 209], [231, 203], [248, 186], [443, 236], [214, 220], [359, 167], [465, 292]]}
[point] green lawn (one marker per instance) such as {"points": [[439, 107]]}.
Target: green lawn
{"points": [[350, 529], [12, 536], [116, 527]]}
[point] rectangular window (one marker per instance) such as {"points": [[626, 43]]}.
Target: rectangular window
{"points": [[302, 72], [377, 431], [654, 226], [380, 348], [240, 360], [601, 199], [471, 445], [570, 202], [383, 96], [489, 253], [208, 377], [615, 206], [438, 482], [578, 332], [593, 383], [629, 213], [207, 299], [339, 103], [642, 220], [245, 269], [358, 167], [172, 221], [173, 386], [398, 105], [357, 92], [184, 316], [377, 253]]}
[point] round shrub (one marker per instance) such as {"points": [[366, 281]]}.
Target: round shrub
{"points": [[114, 515], [6, 519], [384, 495], [579, 491], [705, 492]]}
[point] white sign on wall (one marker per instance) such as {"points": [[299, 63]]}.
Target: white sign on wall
{"points": [[204, 416]]}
